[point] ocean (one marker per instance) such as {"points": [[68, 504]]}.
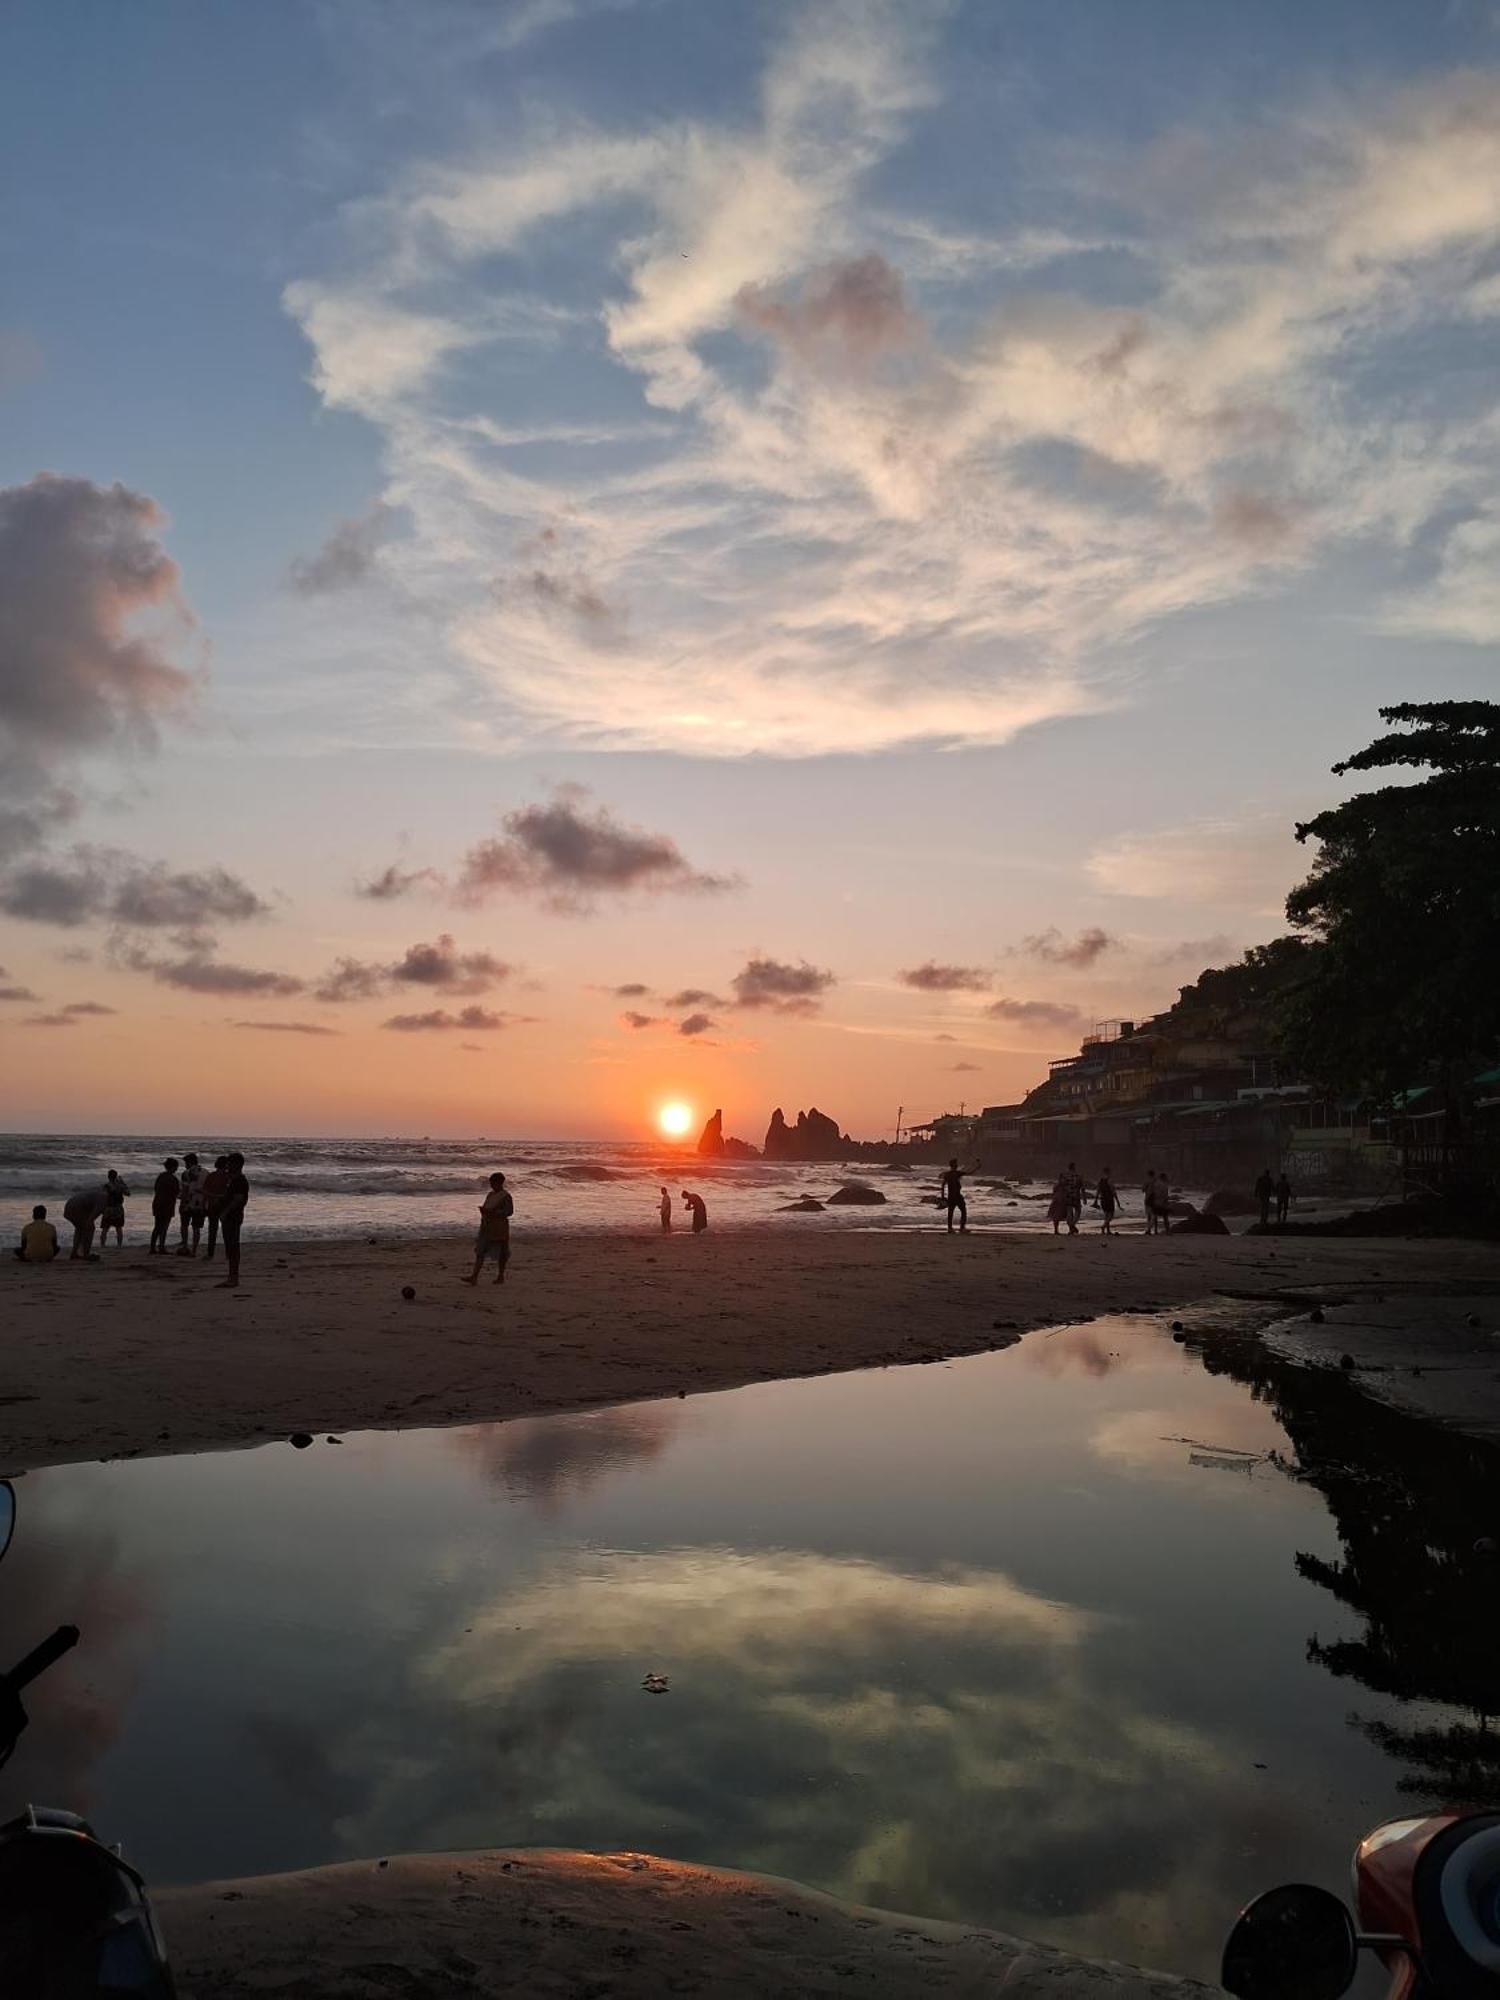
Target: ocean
{"points": [[387, 1188]]}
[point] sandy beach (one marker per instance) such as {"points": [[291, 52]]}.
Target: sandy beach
{"points": [[141, 1356]]}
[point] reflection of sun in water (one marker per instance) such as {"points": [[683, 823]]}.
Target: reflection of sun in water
{"points": [[675, 1119]]}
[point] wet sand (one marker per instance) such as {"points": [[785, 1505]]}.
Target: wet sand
{"points": [[557, 1925], [138, 1355]]}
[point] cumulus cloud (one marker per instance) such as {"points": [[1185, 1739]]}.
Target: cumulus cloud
{"points": [[286, 1027], [694, 996], [93, 884], [351, 979], [631, 990], [1036, 1014], [16, 992], [348, 556], [633, 1018], [782, 988], [695, 1024], [567, 855], [200, 972], [394, 882], [443, 965], [471, 1020], [930, 977], [1079, 952]]}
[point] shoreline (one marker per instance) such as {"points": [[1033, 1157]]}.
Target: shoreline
{"points": [[143, 1356]]}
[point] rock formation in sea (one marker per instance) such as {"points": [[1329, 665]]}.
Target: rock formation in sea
{"points": [[813, 1137], [714, 1146]]}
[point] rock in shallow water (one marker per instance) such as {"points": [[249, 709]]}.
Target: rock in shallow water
{"points": [[854, 1194]]}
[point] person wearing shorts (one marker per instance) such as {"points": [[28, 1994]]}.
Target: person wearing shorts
{"points": [[113, 1217], [214, 1186], [493, 1240], [231, 1215], [951, 1190], [194, 1204]]}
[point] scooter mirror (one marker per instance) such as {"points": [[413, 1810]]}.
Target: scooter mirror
{"points": [[1294, 1943], [7, 1514]]}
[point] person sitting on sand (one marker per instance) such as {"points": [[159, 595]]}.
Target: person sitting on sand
{"points": [[231, 1215], [163, 1207], [951, 1192], [214, 1185], [493, 1240], [664, 1207], [700, 1211], [113, 1215], [1106, 1201], [193, 1204], [83, 1210], [38, 1239], [1265, 1194]]}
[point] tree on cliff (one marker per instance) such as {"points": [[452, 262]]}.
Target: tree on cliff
{"points": [[1403, 903]]}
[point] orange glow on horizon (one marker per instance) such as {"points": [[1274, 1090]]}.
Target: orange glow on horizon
{"points": [[675, 1119]]}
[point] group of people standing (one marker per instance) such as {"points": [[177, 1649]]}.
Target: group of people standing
{"points": [[187, 1193]]}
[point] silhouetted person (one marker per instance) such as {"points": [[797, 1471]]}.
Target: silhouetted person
{"points": [[1265, 1194], [1163, 1204], [231, 1216], [1075, 1198], [83, 1210], [1057, 1208], [951, 1191], [1283, 1199], [214, 1185], [1148, 1194], [700, 1211], [665, 1209], [38, 1239], [194, 1204], [112, 1217], [163, 1207], [1106, 1201], [493, 1240]]}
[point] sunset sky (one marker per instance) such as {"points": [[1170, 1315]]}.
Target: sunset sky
{"points": [[560, 554]]}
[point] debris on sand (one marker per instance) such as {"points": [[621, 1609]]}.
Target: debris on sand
{"points": [[656, 1684]]}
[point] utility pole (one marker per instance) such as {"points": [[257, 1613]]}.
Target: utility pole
{"points": [[899, 1109]]}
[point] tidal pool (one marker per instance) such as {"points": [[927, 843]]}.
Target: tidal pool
{"points": [[1044, 1638]]}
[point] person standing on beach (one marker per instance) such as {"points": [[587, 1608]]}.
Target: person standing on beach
{"points": [[1265, 1194], [38, 1239], [163, 1207], [700, 1211], [214, 1185], [1163, 1205], [1057, 1208], [493, 1240], [193, 1204], [1283, 1198], [1148, 1195], [1075, 1197], [951, 1192], [664, 1207], [83, 1211], [1106, 1201], [113, 1216], [231, 1215]]}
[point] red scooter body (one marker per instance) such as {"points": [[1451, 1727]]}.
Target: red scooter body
{"points": [[1385, 1868]]}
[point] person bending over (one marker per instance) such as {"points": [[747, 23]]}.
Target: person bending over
{"points": [[38, 1239], [699, 1207], [493, 1240]]}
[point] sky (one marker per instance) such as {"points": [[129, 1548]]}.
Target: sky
{"points": [[557, 555]]}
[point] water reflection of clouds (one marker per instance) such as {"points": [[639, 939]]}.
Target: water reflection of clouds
{"points": [[947, 1742], [550, 1459]]}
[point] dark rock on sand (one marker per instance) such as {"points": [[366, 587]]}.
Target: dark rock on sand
{"points": [[1194, 1224], [854, 1194], [808, 1205], [1231, 1201], [300, 1439]]}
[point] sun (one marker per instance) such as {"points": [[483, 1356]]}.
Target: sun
{"points": [[675, 1119]]}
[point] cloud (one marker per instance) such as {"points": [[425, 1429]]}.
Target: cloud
{"points": [[94, 884], [89, 601], [632, 990], [16, 993], [442, 965], [395, 881], [567, 856], [1036, 1014], [960, 1068], [930, 977], [1247, 864], [694, 996], [49, 1021], [842, 316], [348, 556], [351, 979], [1054, 949], [1217, 949], [211, 975], [695, 1024], [286, 1027], [632, 1019], [78, 1008], [439, 1020], [783, 988]]}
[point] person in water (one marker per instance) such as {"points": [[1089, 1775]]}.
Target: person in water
{"points": [[1283, 1199], [951, 1192], [1106, 1201], [700, 1211], [38, 1239], [1265, 1194], [163, 1207], [231, 1215], [113, 1215], [664, 1208], [493, 1240]]}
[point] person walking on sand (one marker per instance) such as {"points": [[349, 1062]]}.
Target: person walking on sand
{"points": [[1057, 1208], [113, 1216], [194, 1204], [1106, 1201], [493, 1240], [38, 1239], [163, 1207], [951, 1192], [214, 1185], [700, 1211], [1265, 1194], [1283, 1198], [664, 1208], [1075, 1197], [83, 1210], [1148, 1196], [231, 1216]]}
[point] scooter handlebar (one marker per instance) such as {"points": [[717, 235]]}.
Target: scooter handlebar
{"points": [[37, 1661]]}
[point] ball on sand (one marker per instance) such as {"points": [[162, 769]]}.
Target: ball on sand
{"points": [[408, 1291]]}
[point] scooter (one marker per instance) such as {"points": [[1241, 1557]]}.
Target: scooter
{"points": [[1427, 1892], [76, 1922]]}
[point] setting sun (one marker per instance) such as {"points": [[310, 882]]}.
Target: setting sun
{"points": [[676, 1120]]}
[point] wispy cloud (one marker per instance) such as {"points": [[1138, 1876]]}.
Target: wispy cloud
{"points": [[286, 1027], [440, 1021], [1049, 1014], [931, 977], [1079, 952]]}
